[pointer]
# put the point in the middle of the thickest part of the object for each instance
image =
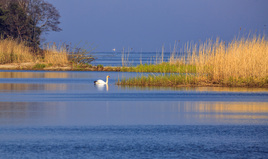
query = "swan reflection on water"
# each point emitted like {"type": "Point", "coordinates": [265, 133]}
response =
{"type": "Point", "coordinates": [101, 87]}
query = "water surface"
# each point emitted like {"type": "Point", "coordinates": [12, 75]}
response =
{"type": "Point", "coordinates": [131, 58]}
{"type": "Point", "coordinates": [51, 114]}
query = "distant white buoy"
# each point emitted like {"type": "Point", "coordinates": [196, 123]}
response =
{"type": "Point", "coordinates": [114, 49]}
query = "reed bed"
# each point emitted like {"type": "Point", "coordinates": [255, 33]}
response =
{"type": "Point", "coordinates": [242, 62]}
{"type": "Point", "coordinates": [12, 51]}
{"type": "Point", "coordinates": [55, 55]}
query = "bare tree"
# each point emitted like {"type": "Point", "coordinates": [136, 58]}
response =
{"type": "Point", "coordinates": [45, 17]}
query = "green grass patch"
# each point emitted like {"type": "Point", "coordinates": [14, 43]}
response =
{"type": "Point", "coordinates": [161, 68]}
{"type": "Point", "coordinates": [100, 67]}
{"type": "Point", "coordinates": [39, 66]}
{"type": "Point", "coordinates": [82, 66]}
{"type": "Point", "coordinates": [165, 80]}
{"type": "Point", "coordinates": [176, 80]}
{"type": "Point", "coordinates": [49, 65]}
{"type": "Point", "coordinates": [246, 82]}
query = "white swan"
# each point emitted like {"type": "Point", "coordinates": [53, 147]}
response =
{"type": "Point", "coordinates": [101, 81]}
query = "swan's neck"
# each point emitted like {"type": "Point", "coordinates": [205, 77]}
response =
{"type": "Point", "coordinates": [106, 80]}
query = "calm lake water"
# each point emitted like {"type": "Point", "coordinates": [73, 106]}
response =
{"type": "Point", "coordinates": [131, 58]}
{"type": "Point", "coordinates": [64, 115]}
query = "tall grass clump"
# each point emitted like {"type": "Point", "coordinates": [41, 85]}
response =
{"type": "Point", "coordinates": [12, 51]}
{"type": "Point", "coordinates": [242, 62]}
{"type": "Point", "coordinates": [55, 55]}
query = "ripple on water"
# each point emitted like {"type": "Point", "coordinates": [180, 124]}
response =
{"type": "Point", "coordinates": [135, 142]}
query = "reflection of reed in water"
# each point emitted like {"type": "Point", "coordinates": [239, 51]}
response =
{"type": "Point", "coordinates": [236, 107]}
{"type": "Point", "coordinates": [22, 87]}
{"type": "Point", "coordinates": [34, 75]}
{"type": "Point", "coordinates": [19, 87]}
{"type": "Point", "coordinates": [199, 89]}
{"type": "Point", "coordinates": [225, 110]}
{"type": "Point", "coordinates": [53, 87]}
{"type": "Point", "coordinates": [230, 89]}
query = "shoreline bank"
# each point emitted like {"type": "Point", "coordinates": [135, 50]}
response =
{"type": "Point", "coordinates": [43, 67]}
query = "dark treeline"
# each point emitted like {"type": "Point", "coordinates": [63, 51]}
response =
{"type": "Point", "coordinates": [27, 20]}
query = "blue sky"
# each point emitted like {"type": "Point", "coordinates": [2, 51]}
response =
{"type": "Point", "coordinates": [146, 25]}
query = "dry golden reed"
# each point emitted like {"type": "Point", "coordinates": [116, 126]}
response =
{"type": "Point", "coordinates": [13, 52]}
{"type": "Point", "coordinates": [243, 60]}
{"type": "Point", "coordinates": [55, 55]}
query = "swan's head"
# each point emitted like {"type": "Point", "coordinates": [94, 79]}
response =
{"type": "Point", "coordinates": [108, 77]}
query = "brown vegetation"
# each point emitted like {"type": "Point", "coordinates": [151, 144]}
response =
{"type": "Point", "coordinates": [242, 62]}
{"type": "Point", "coordinates": [13, 52]}
{"type": "Point", "coordinates": [55, 56]}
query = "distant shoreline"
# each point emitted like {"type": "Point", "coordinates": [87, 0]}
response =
{"type": "Point", "coordinates": [32, 67]}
